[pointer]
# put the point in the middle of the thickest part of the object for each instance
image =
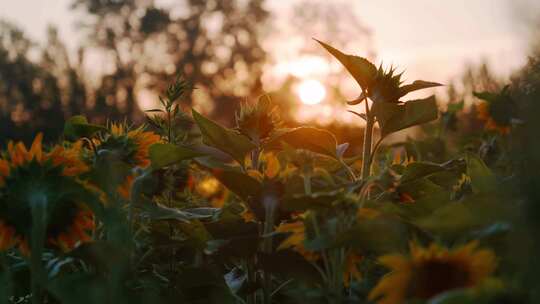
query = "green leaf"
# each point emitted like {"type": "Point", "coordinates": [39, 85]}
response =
{"type": "Point", "coordinates": [291, 265]}
{"type": "Point", "coordinates": [455, 107]}
{"type": "Point", "coordinates": [477, 211]}
{"type": "Point", "coordinates": [78, 126]}
{"type": "Point", "coordinates": [393, 117]}
{"type": "Point", "coordinates": [233, 238]}
{"type": "Point", "coordinates": [366, 236]}
{"type": "Point", "coordinates": [155, 111]}
{"type": "Point", "coordinates": [203, 285]}
{"type": "Point", "coordinates": [494, 230]}
{"type": "Point", "coordinates": [108, 173]}
{"type": "Point", "coordinates": [194, 233]}
{"type": "Point", "coordinates": [417, 85]}
{"type": "Point", "coordinates": [237, 182]}
{"type": "Point", "coordinates": [235, 279]}
{"type": "Point", "coordinates": [156, 211]}
{"type": "Point", "coordinates": [163, 155]}
{"type": "Point", "coordinates": [84, 288]}
{"type": "Point", "coordinates": [482, 179]}
{"type": "Point", "coordinates": [418, 170]}
{"type": "Point", "coordinates": [313, 139]}
{"type": "Point", "coordinates": [361, 115]}
{"type": "Point", "coordinates": [316, 201]}
{"type": "Point", "coordinates": [360, 68]}
{"type": "Point", "coordinates": [458, 296]}
{"type": "Point", "coordinates": [487, 96]}
{"type": "Point", "coordinates": [448, 221]}
{"type": "Point", "coordinates": [102, 255]}
{"type": "Point", "coordinates": [226, 140]}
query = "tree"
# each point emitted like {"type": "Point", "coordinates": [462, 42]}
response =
{"type": "Point", "coordinates": [29, 93]}
{"type": "Point", "coordinates": [214, 44]}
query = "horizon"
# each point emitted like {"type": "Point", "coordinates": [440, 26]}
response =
{"type": "Point", "coordinates": [415, 45]}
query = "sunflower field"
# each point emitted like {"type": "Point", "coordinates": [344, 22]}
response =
{"type": "Point", "coordinates": [185, 210]}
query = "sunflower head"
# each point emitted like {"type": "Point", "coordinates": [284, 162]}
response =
{"type": "Point", "coordinates": [53, 176]}
{"type": "Point", "coordinates": [386, 86]}
{"type": "Point", "coordinates": [296, 236]}
{"type": "Point", "coordinates": [128, 145]}
{"type": "Point", "coordinates": [496, 110]}
{"type": "Point", "coordinates": [211, 189]}
{"type": "Point", "coordinates": [427, 272]}
{"type": "Point", "coordinates": [258, 121]}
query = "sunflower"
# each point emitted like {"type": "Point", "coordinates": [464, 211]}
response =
{"type": "Point", "coordinates": [53, 176]}
{"type": "Point", "coordinates": [258, 121]}
{"type": "Point", "coordinates": [431, 271]}
{"type": "Point", "coordinates": [496, 110]}
{"type": "Point", "coordinates": [131, 146]}
{"type": "Point", "coordinates": [296, 239]}
{"type": "Point", "coordinates": [490, 123]}
{"type": "Point", "coordinates": [351, 268]}
{"type": "Point", "coordinates": [211, 189]}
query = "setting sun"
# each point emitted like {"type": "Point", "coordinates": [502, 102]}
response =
{"type": "Point", "coordinates": [311, 92]}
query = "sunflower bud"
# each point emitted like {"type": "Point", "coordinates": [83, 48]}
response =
{"type": "Point", "coordinates": [258, 121]}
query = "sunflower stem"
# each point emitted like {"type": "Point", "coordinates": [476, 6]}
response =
{"type": "Point", "coordinates": [270, 204]}
{"type": "Point", "coordinates": [324, 253]}
{"type": "Point", "coordinates": [307, 184]}
{"type": "Point", "coordinates": [5, 278]}
{"type": "Point", "coordinates": [251, 278]}
{"type": "Point", "coordinates": [368, 139]}
{"type": "Point", "coordinates": [38, 203]}
{"type": "Point", "coordinates": [349, 170]}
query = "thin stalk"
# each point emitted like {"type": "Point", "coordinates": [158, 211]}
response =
{"type": "Point", "coordinates": [322, 272]}
{"type": "Point", "coordinates": [350, 172]}
{"type": "Point", "coordinates": [368, 139]}
{"type": "Point", "coordinates": [375, 148]}
{"type": "Point", "coordinates": [39, 224]}
{"type": "Point", "coordinates": [256, 155]}
{"type": "Point", "coordinates": [6, 279]}
{"type": "Point", "coordinates": [169, 126]}
{"type": "Point", "coordinates": [255, 158]}
{"type": "Point", "coordinates": [252, 297]}
{"type": "Point", "coordinates": [323, 253]}
{"type": "Point", "coordinates": [307, 184]}
{"type": "Point", "coordinates": [270, 204]}
{"type": "Point", "coordinates": [170, 191]}
{"type": "Point", "coordinates": [281, 286]}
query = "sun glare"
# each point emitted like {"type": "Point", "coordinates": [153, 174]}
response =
{"type": "Point", "coordinates": [311, 92]}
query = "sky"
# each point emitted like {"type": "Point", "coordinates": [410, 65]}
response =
{"type": "Point", "coordinates": [431, 39]}
{"type": "Point", "coordinates": [427, 36]}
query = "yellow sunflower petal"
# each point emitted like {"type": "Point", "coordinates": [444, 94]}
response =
{"type": "Point", "coordinates": [4, 167]}
{"type": "Point", "coordinates": [272, 166]}
{"type": "Point", "coordinates": [391, 289]}
{"type": "Point", "coordinates": [395, 262]}
{"type": "Point", "coordinates": [36, 151]}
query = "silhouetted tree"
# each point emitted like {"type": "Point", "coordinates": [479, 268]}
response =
{"type": "Point", "coordinates": [29, 92]}
{"type": "Point", "coordinates": [214, 44]}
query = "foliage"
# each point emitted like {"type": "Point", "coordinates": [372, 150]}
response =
{"type": "Point", "coordinates": [262, 213]}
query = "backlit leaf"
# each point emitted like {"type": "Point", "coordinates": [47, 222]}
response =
{"type": "Point", "coordinates": [417, 85]}
{"type": "Point", "coordinates": [78, 126]}
{"type": "Point", "coordinates": [393, 117]}
{"type": "Point", "coordinates": [313, 139]}
{"type": "Point", "coordinates": [163, 155]}
{"type": "Point", "coordinates": [360, 68]}
{"type": "Point", "coordinates": [226, 140]}
{"type": "Point", "coordinates": [482, 179]}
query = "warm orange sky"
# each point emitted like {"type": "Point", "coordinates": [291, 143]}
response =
{"type": "Point", "coordinates": [428, 37]}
